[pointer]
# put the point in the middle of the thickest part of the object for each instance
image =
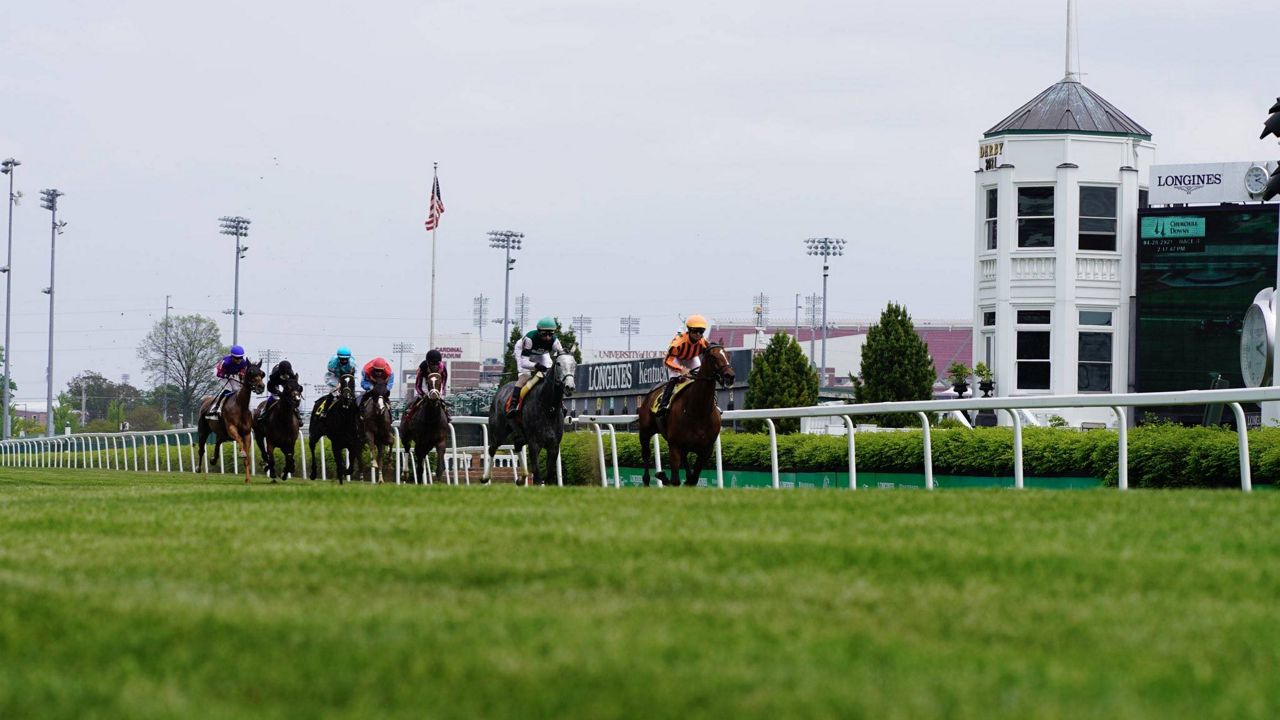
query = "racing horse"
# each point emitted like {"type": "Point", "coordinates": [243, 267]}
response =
{"type": "Point", "coordinates": [375, 420]}
{"type": "Point", "coordinates": [692, 421]}
{"type": "Point", "coordinates": [541, 419]}
{"type": "Point", "coordinates": [278, 426]}
{"type": "Point", "coordinates": [234, 422]}
{"type": "Point", "coordinates": [341, 424]}
{"type": "Point", "coordinates": [429, 425]}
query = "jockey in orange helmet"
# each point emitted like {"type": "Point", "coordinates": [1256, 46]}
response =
{"type": "Point", "coordinates": [683, 356]}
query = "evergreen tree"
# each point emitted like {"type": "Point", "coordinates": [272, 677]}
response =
{"type": "Point", "coordinates": [509, 372]}
{"type": "Point", "coordinates": [895, 366]}
{"type": "Point", "coordinates": [781, 377]}
{"type": "Point", "coordinates": [569, 341]}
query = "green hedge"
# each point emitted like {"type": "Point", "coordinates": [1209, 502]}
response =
{"type": "Point", "coordinates": [1159, 455]}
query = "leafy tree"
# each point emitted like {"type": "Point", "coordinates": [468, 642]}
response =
{"type": "Point", "coordinates": [145, 417]}
{"type": "Point", "coordinates": [895, 366]}
{"type": "Point", "coordinates": [509, 372]}
{"type": "Point", "coordinates": [65, 412]}
{"type": "Point", "coordinates": [781, 377]}
{"type": "Point", "coordinates": [569, 341]}
{"type": "Point", "coordinates": [183, 351]}
{"type": "Point", "coordinates": [98, 393]}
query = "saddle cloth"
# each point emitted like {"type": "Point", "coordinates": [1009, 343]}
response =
{"type": "Point", "coordinates": [681, 384]}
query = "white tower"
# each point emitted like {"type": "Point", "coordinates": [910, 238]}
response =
{"type": "Point", "coordinates": [1056, 201]}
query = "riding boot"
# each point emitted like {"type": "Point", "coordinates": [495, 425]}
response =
{"type": "Point", "coordinates": [666, 397]}
{"type": "Point", "coordinates": [513, 406]}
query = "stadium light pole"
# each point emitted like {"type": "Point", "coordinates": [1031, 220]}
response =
{"type": "Point", "coordinates": [7, 167]}
{"type": "Point", "coordinates": [629, 325]}
{"type": "Point", "coordinates": [812, 301]}
{"type": "Point", "coordinates": [824, 247]}
{"type": "Point", "coordinates": [237, 227]}
{"type": "Point", "coordinates": [506, 240]}
{"type": "Point", "coordinates": [522, 310]}
{"type": "Point", "coordinates": [49, 201]}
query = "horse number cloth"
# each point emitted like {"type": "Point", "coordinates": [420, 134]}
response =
{"type": "Point", "coordinates": [680, 385]}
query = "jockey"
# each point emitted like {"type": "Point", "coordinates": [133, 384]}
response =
{"type": "Point", "coordinates": [340, 364]}
{"type": "Point", "coordinates": [377, 370]}
{"type": "Point", "coordinates": [533, 358]}
{"type": "Point", "coordinates": [282, 379]}
{"type": "Point", "coordinates": [434, 363]}
{"type": "Point", "coordinates": [683, 357]}
{"type": "Point", "coordinates": [230, 369]}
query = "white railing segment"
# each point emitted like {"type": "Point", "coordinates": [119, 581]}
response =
{"type": "Point", "coordinates": [1014, 406]}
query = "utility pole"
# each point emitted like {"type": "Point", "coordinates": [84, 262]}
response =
{"type": "Point", "coordinates": [522, 310]}
{"type": "Point", "coordinates": [761, 308]}
{"type": "Point", "coordinates": [237, 227]}
{"type": "Point", "coordinates": [402, 348]}
{"type": "Point", "coordinates": [581, 328]}
{"type": "Point", "coordinates": [49, 201]}
{"type": "Point", "coordinates": [629, 325]}
{"type": "Point", "coordinates": [165, 384]}
{"type": "Point", "coordinates": [6, 167]}
{"type": "Point", "coordinates": [480, 313]}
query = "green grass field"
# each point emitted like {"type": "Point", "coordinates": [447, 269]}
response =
{"type": "Point", "coordinates": [136, 595]}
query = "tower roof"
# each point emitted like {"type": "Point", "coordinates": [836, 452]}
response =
{"type": "Point", "coordinates": [1069, 106]}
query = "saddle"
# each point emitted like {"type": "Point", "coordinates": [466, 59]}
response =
{"type": "Point", "coordinates": [681, 384]}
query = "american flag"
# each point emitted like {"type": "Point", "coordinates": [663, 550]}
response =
{"type": "Point", "coordinates": [437, 206]}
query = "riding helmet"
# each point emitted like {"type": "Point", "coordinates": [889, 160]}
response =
{"type": "Point", "coordinates": [547, 323]}
{"type": "Point", "coordinates": [344, 352]}
{"type": "Point", "coordinates": [696, 322]}
{"type": "Point", "coordinates": [433, 356]}
{"type": "Point", "coordinates": [237, 351]}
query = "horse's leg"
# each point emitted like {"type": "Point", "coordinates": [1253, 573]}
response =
{"type": "Point", "coordinates": [535, 453]}
{"type": "Point", "coordinates": [441, 448]}
{"type": "Point", "coordinates": [312, 439]}
{"type": "Point", "coordinates": [677, 461]}
{"type": "Point", "coordinates": [200, 463]}
{"type": "Point", "coordinates": [268, 456]}
{"type": "Point", "coordinates": [495, 441]}
{"type": "Point", "coordinates": [695, 467]}
{"type": "Point", "coordinates": [287, 451]}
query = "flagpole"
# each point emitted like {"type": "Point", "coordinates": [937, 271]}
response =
{"type": "Point", "coordinates": [431, 331]}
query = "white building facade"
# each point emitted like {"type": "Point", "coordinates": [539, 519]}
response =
{"type": "Point", "coordinates": [1056, 200]}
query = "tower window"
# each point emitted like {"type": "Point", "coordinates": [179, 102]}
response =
{"type": "Point", "coordinates": [1035, 217]}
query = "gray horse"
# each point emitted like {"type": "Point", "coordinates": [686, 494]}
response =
{"type": "Point", "coordinates": [541, 419]}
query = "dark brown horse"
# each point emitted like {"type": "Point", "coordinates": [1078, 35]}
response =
{"type": "Point", "coordinates": [692, 421]}
{"type": "Point", "coordinates": [428, 426]}
{"type": "Point", "coordinates": [278, 426]}
{"type": "Point", "coordinates": [341, 424]}
{"type": "Point", "coordinates": [234, 422]}
{"type": "Point", "coordinates": [375, 421]}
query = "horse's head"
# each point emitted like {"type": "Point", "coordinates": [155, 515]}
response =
{"type": "Point", "coordinates": [254, 377]}
{"type": "Point", "coordinates": [434, 384]}
{"type": "Point", "coordinates": [292, 395]}
{"type": "Point", "coordinates": [564, 368]}
{"type": "Point", "coordinates": [347, 389]}
{"type": "Point", "coordinates": [715, 364]}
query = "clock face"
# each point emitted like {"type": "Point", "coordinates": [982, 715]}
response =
{"type": "Point", "coordinates": [1255, 179]}
{"type": "Point", "coordinates": [1255, 347]}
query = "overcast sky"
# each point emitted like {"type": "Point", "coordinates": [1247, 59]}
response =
{"type": "Point", "coordinates": [662, 158]}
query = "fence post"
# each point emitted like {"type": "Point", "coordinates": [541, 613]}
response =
{"type": "Point", "coordinates": [1246, 478]}
{"type": "Point", "coordinates": [1016, 417]}
{"type": "Point", "coordinates": [719, 464]}
{"type": "Point", "coordinates": [453, 440]}
{"type": "Point", "coordinates": [1122, 465]}
{"type": "Point", "coordinates": [604, 470]}
{"type": "Point", "coordinates": [853, 466]}
{"type": "Point", "coordinates": [657, 451]}
{"type": "Point", "coordinates": [928, 451]}
{"type": "Point", "coordinates": [613, 448]}
{"type": "Point", "coordinates": [773, 452]}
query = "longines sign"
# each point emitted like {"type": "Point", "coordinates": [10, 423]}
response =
{"type": "Point", "coordinates": [1207, 183]}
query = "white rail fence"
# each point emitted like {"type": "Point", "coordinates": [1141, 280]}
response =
{"type": "Point", "coordinates": [170, 450]}
{"type": "Point", "coordinates": [142, 451]}
{"type": "Point", "coordinates": [1014, 407]}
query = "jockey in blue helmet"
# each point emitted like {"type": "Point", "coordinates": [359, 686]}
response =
{"type": "Point", "coordinates": [342, 363]}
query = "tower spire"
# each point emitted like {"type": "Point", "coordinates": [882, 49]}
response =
{"type": "Point", "coordinates": [1072, 72]}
